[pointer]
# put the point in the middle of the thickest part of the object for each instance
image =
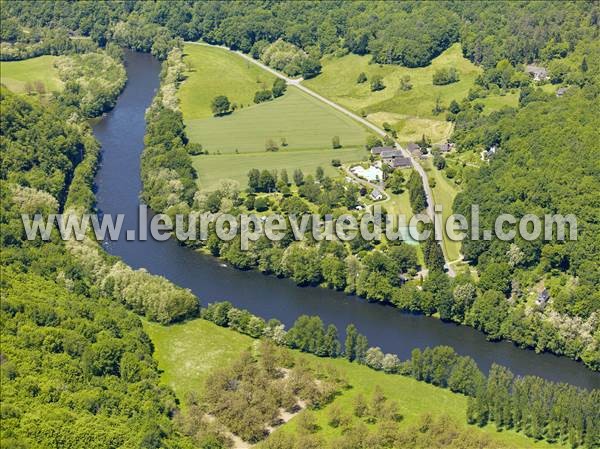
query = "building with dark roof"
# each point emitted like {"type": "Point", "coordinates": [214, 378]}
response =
{"type": "Point", "coordinates": [400, 162]}
{"type": "Point", "coordinates": [376, 151]}
{"type": "Point", "coordinates": [412, 147]}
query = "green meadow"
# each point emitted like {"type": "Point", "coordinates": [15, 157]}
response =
{"type": "Point", "coordinates": [16, 74]}
{"type": "Point", "coordinates": [444, 192]}
{"type": "Point", "coordinates": [301, 126]}
{"type": "Point", "coordinates": [303, 121]}
{"type": "Point", "coordinates": [215, 71]}
{"type": "Point", "coordinates": [214, 168]}
{"type": "Point", "coordinates": [409, 111]}
{"type": "Point", "coordinates": [187, 352]}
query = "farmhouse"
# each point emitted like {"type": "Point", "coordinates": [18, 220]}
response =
{"type": "Point", "coordinates": [376, 151]}
{"type": "Point", "coordinates": [386, 155]}
{"type": "Point", "coordinates": [446, 147]}
{"type": "Point", "coordinates": [371, 174]}
{"type": "Point", "coordinates": [400, 162]}
{"type": "Point", "coordinates": [413, 147]}
{"type": "Point", "coordinates": [415, 150]}
{"type": "Point", "coordinates": [538, 73]}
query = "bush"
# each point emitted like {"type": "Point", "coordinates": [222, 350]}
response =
{"type": "Point", "coordinates": [220, 105]}
{"type": "Point", "coordinates": [335, 142]}
{"type": "Point", "coordinates": [377, 83]}
{"type": "Point", "coordinates": [279, 87]}
{"type": "Point", "coordinates": [263, 95]}
{"type": "Point", "coordinates": [439, 162]}
{"type": "Point", "coordinates": [442, 77]}
{"type": "Point", "coordinates": [271, 145]}
{"type": "Point", "coordinates": [261, 204]}
{"type": "Point", "coordinates": [194, 149]}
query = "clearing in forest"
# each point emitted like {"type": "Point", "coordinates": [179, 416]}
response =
{"type": "Point", "coordinates": [20, 76]}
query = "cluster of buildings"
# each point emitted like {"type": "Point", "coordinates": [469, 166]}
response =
{"type": "Point", "coordinates": [391, 156]}
{"type": "Point", "coordinates": [395, 158]}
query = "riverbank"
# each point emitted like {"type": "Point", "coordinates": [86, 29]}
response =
{"type": "Point", "coordinates": [188, 352]}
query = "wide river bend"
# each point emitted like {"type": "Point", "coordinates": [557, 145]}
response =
{"type": "Point", "coordinates": [121, 133]}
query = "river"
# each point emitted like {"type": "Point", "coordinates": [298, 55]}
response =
{"type": "Point", "coordinates": [121, 134]}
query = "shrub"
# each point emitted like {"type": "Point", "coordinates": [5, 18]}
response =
{"type": "Point", "coordinates": [263, 95]}
{"type": "Point", "coordinates": [377, 83]}
{"type": "Point", "coordinates": [444, 76]}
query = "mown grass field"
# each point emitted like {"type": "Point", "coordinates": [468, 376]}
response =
{"type": "Point", "coordinates": [236, 142]}
{"type": "Point", "coordinates": [214, 71]}
{"type": "Point", "coordinates": [16, 74]}
{"type": "Point", "coordinates": [410, 112]}
{"type": "Point", "coordinates": [303, 121]}
{"type": "Point", "coordinates": [496, 102]}
{"type": "Point", "coordinates": [212, 169]}
{"type": "Point", "coordinates": [187, 352]}
{"type": "Point", "coordinates": [444, 193]}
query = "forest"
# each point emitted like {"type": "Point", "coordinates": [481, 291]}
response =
{"type": "Point", "coordinates": [76, 364]}
{"type": "Point", "coordinates": [409, 33]}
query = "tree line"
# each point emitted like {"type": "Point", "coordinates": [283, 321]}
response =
{"type": "Point", "coordinates": [407, 33]}
{"type": "Point", "coordinates": [541, 409]}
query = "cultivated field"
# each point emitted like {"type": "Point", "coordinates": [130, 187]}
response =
{"type": "Point", "coordinates": [409, 111]}
{"type": "Point", "coordinates": [187, 352]}
{"type": "Point", "coordinates": [300, 125]}
{"type": "Point", "coordinates": [304, 122]}
{"type": "Point", "coordinates": [17, 74]}
{"type": "Point", "coordinates": [214, 168]}
{"type": "Point", "coordinates": [214, 71]}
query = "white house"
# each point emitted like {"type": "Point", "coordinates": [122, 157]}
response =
{"type": "Point", "coordinates": [376, 195]}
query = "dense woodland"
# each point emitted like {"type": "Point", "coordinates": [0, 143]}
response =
{"type": "Point", "coordinates": [409, 33]}
{"type": "Point", "coordinates": [76, 364]}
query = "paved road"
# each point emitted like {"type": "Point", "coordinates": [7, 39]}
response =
{"type": "Point", "coordinates": [297, 82]}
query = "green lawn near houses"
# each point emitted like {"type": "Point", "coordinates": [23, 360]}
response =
{"type": "Point", "coordinates": [444, 192]}
{"type": "Point", "coordinates": [18, 75]}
